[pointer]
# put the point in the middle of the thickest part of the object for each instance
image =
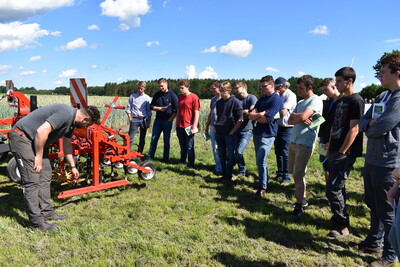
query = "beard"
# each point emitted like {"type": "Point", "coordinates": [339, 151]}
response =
{"type": "Point", "coordinates": [79, 125]}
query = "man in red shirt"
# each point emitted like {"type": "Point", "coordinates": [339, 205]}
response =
{"type": "Point", "coordinates": [187, 122]}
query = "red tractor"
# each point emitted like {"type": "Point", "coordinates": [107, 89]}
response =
{"type": "Point", "coordinates": [96, 149]}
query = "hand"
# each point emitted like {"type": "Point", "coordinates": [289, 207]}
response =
{"type": "Point", "coordinates": [75, 173]}
{"type": "Point", "coordinates": [371, 122]}
{"type": "Point", "coordinates": [194, 130]}
{"type": "Point", "coordinates": [307, 121]}
{"type": "Point", "coordinates": [327, 146]}
{"type": "Point", "coordinates": [163, 109]}
{"type": "Point", "coordinates": [38, 164]}
{"type": "Point", "coordinates": [393, 193]}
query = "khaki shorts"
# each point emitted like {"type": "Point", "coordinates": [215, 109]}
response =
{"type": "Point", "coordinates": [299, 155]}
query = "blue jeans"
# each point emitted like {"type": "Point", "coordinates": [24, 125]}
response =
{"type": "Point", "coordinates": [133, 128]}
{"type": "Point", "coordinates": [218, 167]}
{"type": "Point", "coordinates": [377, 181]}
{"type": "Point", "coordinates": [186, 143]}
{"type": "Point", "coordinates": [242, 140]}
{"type": "Point", "coordinates": [262, 146]}
{"type": "Point", "coordinates": [282, 141]}
{"type": "Point", "coordinates": [160, 126]}
{"type": "Point", "coordinates": [226, 149]}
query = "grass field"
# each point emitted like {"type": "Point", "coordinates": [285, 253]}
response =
{"type": "Point", "coordinates": [183, 218]}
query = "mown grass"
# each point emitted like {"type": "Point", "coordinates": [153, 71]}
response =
{"type": "Point", "coordinates": [183, 218]}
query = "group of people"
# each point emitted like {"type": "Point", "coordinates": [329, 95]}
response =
{"type": "Point", "coordinates": [275, 118]}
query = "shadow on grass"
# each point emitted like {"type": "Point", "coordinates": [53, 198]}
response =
{"type": "Point", "coordinates": [228, 259]}
{"type": "Point", "coordinates": [11, 202]}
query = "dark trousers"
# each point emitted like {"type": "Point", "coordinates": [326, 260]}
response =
{"type": "Point", "coordinates": [133, 128]}
{"type": "Point", "coordinates": [35, 186]}
{"type": "Point", "coordinates": [165, 127]}
{"type": "Point", "coordinates": [281, 143]}
{"type": "Point", "coordinates": [377, 181]}
{"type": "Point", "coordinates": [226, 150]}
{"type": "Point", "coordinates": [339, 169]}
{"type": "Point", "coordinates": [186, 142]}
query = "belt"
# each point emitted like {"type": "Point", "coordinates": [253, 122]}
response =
{"type": "Point", "coordinates": [19, 131]}
{"type": "Point", "coordinates": [139, 118]}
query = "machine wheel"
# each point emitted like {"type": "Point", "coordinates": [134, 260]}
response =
{"type": "Point", "coordinates": [3, 155]}
{"type": "Point", "coordinates": [150, 166]}
{"type": "Point", "coordinates": [132, 170]}
{"type": "Point", "coordinates": [13, 172]}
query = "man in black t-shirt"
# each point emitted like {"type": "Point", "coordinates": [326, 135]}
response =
{"type": "Point", "coordinates": [29, 141]}
{"type": "Point", "coordinates": [345, 145]}
{"type": "Point", "coordinates": [229, 119]}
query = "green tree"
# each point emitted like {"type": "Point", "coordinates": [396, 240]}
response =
{"type": "Point", "coordinates": [377, 66]}
{"type": "Point", "coordinates": [61, 90]}
{"type": "Point", "coordinates": [371, 91]}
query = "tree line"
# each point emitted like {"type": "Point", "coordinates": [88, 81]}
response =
{"type": "Point", "coordinates": [201, 87]}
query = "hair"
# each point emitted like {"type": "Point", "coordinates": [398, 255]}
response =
{"type": "Point", "coordinates": [183, 82]}
{"type": "Point", "coordinates": [307, 80]}
{"type": "Point", "coordinates": [93, 112]}
{"type": "Point", "coordinates": [242, 84]}
{"type": "Point", "coordinates": [162, 80]}
{"type": "Point", "coordinates": [346, 73]}
{"type": "Point", "coordinates": [226, 86]}
{"type": "Point", "coordinates": [392, 61]}
{"type": "Point", "coordinates": [216, 84]}
{"type": "Point", "coordinates": [141, 83]}
{"type": "Point", "coordinates": [268, 79]}
{"type": "Point", "coordinates": [327, 81]}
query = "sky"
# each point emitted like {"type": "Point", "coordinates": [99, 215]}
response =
{"type": "Point", "coordinates": [44, 43]}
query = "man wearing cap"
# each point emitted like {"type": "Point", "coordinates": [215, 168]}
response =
{"type": "Point", "coordinates": [282, 139]}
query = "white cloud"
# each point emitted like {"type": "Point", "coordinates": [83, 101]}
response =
{"type": "Point", "coordinates": [152, 43]}
{"type": "Point", "coordinates": [191, 72]}
{"type": "Point", "coordinates": [15, 35]}
{"type": "Point", "coordinates": [93, 27]}
{"type": "Point", "coordinates": [5, 68]}
{"type": "Point", "coordinates": [58, 82]}
{"type": "Point", "coordinates": [94, 66]}
{"type": "Point", "coordinates": [271, 69]}
{"type": "Point", "coordinates": [163, 53]}
{"type": "Point", "coordinates": [165, 3]}
{"type": "Point", "coordinates": [77, 43]}
{"type": "Point", "coordinates": [237, 48]}
{"type": "Point", "coordinates": [123, 27]}
{"type": "Point", "coordinates": [35, 58]}
{"type": "Point", "coordinates": [44, 71]}
{"type": "Point", "coordinates": [321, 29]}
{"type": "Point", "coordinates": [27, 73]}
{"type": "Point", "coordinates": [11, 10]}
{"type": "Point", "coordinates": [362, 85]}
{"type": "Point", "coordinates": [56, 33]}
{"type": "Point", "coordinates": [392, 41]}
{"type": "Point", "coordinates": [128, 11]}
{"type": "Point", "coordinates": [68, 73]}
{"type": "Point", "coordinates": [212, 49]}
{"type": "Point", "coordinates": [208, 73]}
{"type": "Point", "coordinates": [301, 73]}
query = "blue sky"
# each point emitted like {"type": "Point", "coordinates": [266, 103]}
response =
{"type": "Point", "coordinates": [43, 43]}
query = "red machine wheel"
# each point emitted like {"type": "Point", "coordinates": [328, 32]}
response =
{"type": "Point", "coordinates": [150, 166]}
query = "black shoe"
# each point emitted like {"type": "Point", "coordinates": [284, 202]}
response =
{"type": "Point", "coordinates": [45, 227]}
{"type": "Point", "coordinates": [304, 204]}
{"type": "Point", "coordinates": [322, 199]}
{"type": "Point", "coordinates": [55, 216]}
{"type": "Point", "coordinates": [363, 247]}
{"type": "Point", "coordinates": [340, 231]}
{"type": "Point", "coordinates": [278, 178]}
{"type": "Point", "coordinates": [218, 173]}
{"type": "Point", "coordinates": [298, 210]}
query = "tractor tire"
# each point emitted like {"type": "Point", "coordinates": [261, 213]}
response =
{"type": "Point", "coordinates": [13, 172]}
{"type": "Point", "coordinates": [150, 166]}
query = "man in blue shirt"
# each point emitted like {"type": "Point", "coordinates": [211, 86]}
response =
{"type": "Point", "coordinates": [264, 112]}
{"type": "Point", "coordinates": [165, 103]}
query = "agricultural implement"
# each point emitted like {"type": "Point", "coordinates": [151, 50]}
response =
{"type": "Point", "coordinates": [95, 149]}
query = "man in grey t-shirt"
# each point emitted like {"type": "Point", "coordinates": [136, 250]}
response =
{"type": "Point", "coordinates": [29, 141]}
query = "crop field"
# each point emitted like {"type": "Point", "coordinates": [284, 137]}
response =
{"type": "Point", "coordinates": [182, 217]}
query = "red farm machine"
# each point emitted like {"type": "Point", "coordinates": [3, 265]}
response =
{"type": "Point", "coordinates": [96, 149]}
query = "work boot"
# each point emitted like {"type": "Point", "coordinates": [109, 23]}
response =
{"type": "Point", "coordinates": [298, 210]}
{"type": "Point", "coordinates": [339, 232]}
{"type": "Point", "coordinates": [55, 216]}
{"type": "Point", "coordinates": [259, 193]}
{"type": "Point", "coordinates": [381, 263]}
{"type": "Point", "coordinates": [45, 227]}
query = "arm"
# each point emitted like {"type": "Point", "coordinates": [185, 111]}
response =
{"type": "Point", "coordinates": [387, 121]}
{"type": "Point", "coordinates": [350, 136]}
{"type": "Point", "coordinates": [296, 118]}
{"type": "Point", "coordinates": [236, 127]}
{"type": "Point", "coordinates": [128, 109]}
{"type": "Point", "coordinates": [195, 121]}
{"type": "Point", "coordinates": [208, 123]}
{"type": "Point", "coordinates": [42, 134]}
{"type": "Point", "coordinates": [67, 146]}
